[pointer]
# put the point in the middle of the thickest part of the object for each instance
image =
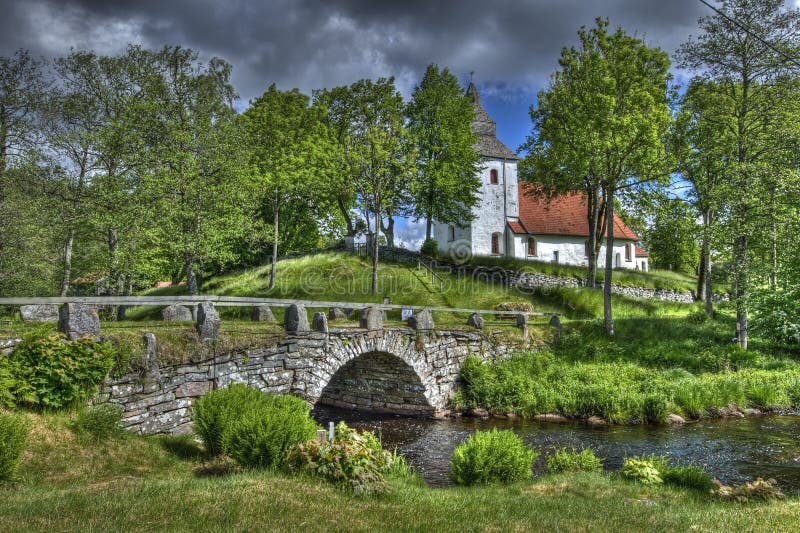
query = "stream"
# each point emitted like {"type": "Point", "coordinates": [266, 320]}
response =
{"type": "Point", "coordinates": [733, 450]}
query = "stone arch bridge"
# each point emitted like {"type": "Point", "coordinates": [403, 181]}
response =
{"type": "Point", "coordinates": [396, 370]}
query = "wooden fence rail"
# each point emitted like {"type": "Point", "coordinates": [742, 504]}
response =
{"type": "Point", "coordinates": [238, 301]}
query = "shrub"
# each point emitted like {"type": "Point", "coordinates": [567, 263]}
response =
{"type": "Point", "coordinates": [13, 440]}
{"type": "Point", "coordinates": [572, 461]}
{"type": "Point", "coordinates": [262, 436]}
{"type": "Point", "coordinates": [214, 413]}
{"type": "Point", "coordinates": [99, 422]}
{"type": "Point", "coordinates": [353, 461]}
{"type": "Point", "coordinates": [776, 314]}
{"type": "Point", "coordinates": [492, 456]}
{"type": "Point", "coordinates": [655, 408]}
{"type": "Point", "coordinates": [762, 394]}
{"type": "Point", "coordinates": [53, 373]}
{"type": "Point", "coordinates": [690, 477]}
{"type": "Point", "coordinates": [7, 383]}
{"type": "Point", "coordinates": [429, 247]}
{"type": "Point", "coordinates": [641, 470]}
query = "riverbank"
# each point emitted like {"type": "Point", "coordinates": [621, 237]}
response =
{"type": "Point", "coordinates": [136, 483]}
{"type": "Point", "coordinates": [653, 368]}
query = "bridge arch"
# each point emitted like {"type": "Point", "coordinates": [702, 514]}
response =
{"type": "Point", "coordinates": [388, 371]}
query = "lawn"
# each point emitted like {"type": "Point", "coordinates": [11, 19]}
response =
{"type": "Point", "coordinates": [68, 483]}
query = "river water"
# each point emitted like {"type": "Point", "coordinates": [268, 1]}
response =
{"type": "Point", "coordinates": [733, 450]}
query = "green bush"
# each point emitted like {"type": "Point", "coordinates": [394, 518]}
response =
{"type": "Point", "coordinates": [262, 436]}
{"type": "Point", "coordinates": [655, 408]}
{"type": "Point", "coordinates": [492, 456]}
{"type": "Point", "coordinates": [7, 383]}
{"type": "Point", "coordinates": [572, 461]}
{"type": "Point", "coordinates": [354, 461]}
{"type": "Point", "coordinates": [13, 440]}
{"type": "Point", "coordinates": [214, 413]}
{"type": "Point", "coordinates": [99, 422]}
{"type": "Point", "coordinates": [641, 470]}
{"type": "Point", "coordinates": [429, 247]}
{"type": "Point", "coordinates": [690, 477]}
{"type": "Point", "coordinates": [52, 373]}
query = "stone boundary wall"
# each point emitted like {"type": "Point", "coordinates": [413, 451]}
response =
{"type": "Point", "coordinates": [527, 281]}
{"type": "Point", "coordinates": [159, 400]}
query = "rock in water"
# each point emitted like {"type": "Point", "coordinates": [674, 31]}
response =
{"type": "Point", "coordinates": [176, 313]}
{"type": "Point", "coordinates": [262, 313]}
{"type": "Point", "coordinates": [207, 322]}
{"type": "Point", "coordinates": [296, 319]}
{"type": "Point", "coordinates": [77, 320]}
{"type": "Point", "coordinates": [39, 313]}
{"type": "Point", "coordinates": [320, 323]}
{"type": "Point", "coordinates": [475, 320]}
{"type": "Point", "coordinates": [371, 319]}
{"type": "Point", "coordinates": [421, 321]}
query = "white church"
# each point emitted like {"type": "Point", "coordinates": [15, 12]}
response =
{"type": "Point", "coordinates": [510, 223]}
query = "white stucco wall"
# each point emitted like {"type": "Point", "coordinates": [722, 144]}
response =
{"type": "Point", "coordinates": [490, 215]}
{"type": "Point", "coordinates": [571, 250]}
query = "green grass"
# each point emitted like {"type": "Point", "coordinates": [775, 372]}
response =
{"type": "Point", "coordinates": [653, 366]}
{"type": "Point", "coordinates": [136, 483]}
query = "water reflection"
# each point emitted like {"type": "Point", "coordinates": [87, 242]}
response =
{"type": "Point", "coordinates": [733, 450]}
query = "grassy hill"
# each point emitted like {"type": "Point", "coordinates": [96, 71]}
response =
{"type": "Point", "coordinates": [347, 278]}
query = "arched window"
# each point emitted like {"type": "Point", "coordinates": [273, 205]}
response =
{"type": "Point", "coordinates": [628, 250]}
{"type": "Point", "coordinates": [586, 248]}
{"type": "Point", "coordinates": [451, 233]}
{"type": "Point", "coordinates": [495, 244]}
{"type": "Point", "coordinates": [532, 247]}
{"type": "Point", "coordinates": [493, 176]}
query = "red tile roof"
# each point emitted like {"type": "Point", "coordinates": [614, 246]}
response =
{"type": "Point", "coordinates": [517, 227]}
{"type": "Point", "coordinates": [562, 215]}
{"type": "Point", "coordinates": [641, 252]}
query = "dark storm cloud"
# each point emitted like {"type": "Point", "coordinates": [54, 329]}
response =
{"type": "Point", "coordinates": [512, 46]}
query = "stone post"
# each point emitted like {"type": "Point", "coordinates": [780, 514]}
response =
{"type": "Point", "coordinates": [207, 322]}
{"type": "Point", "coordinates": [421, 321]}
{"type": "Point", "coordinates": [296, 319]}
{"type": "Point", "coordinates": [77, 320]}
{"type": "Point", "coordinates": [371, 318]}
{"type": "Point", "coordinates": [320, 323]}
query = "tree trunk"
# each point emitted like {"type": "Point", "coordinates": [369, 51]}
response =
{"type": "Point", "coordinates": [275, 218]}
{"type": "Point", "coordinates": [428, 225]}
{"type": "Point", "coordinates": [67, 262]}
{"type": "Point", "coordinates": [700, 290]}
{"type": "Point", "coordinates": [348, 220]}
{"type": "Point", "coordinates": [375, 251]}
{"type": "Point", "coordinates": [114, 286]}
{"type": "Point", "coordinates": [708, 294]}
{"type": "Point", "coordinates": [191, 275]}
{"type": "Point", "coordinates": [592, 215]}
{"type": "Point", "coordinates": [773, 244]}
{"type": "Point", "coordinates": [388, 231]}
{"type": "Point", "coordinates": [608, 319]}
{"type": "Point", "coordinates": [741, 292]}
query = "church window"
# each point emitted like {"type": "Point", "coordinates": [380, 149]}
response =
{"type": "Point", "coordinates": [586, 248]}
{"type": "Point", "coordinates": [496, 243]}
{"type": "Point", "coordinates": [493, 176]}
{"type": "Point", "coordinates": [628, 254]}
{"type": "Point", "coordinates": [451, 233]}
{"type": "Point", "coordinates": [532, 246]}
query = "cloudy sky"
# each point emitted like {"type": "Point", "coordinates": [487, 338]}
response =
{"type": "Point", "coordinates": [511, 46]}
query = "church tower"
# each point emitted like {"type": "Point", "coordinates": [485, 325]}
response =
{"type": "Point", "coordinates": [498, 198]}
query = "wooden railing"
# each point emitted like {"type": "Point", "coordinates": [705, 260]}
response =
{"type": "Point", "coordinates": [238, 301]}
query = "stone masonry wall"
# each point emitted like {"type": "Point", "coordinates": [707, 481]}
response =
{"type": "Point", "coordinates": [532, 280]}
{"type": "Point", "coordinates": [160, 400]}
